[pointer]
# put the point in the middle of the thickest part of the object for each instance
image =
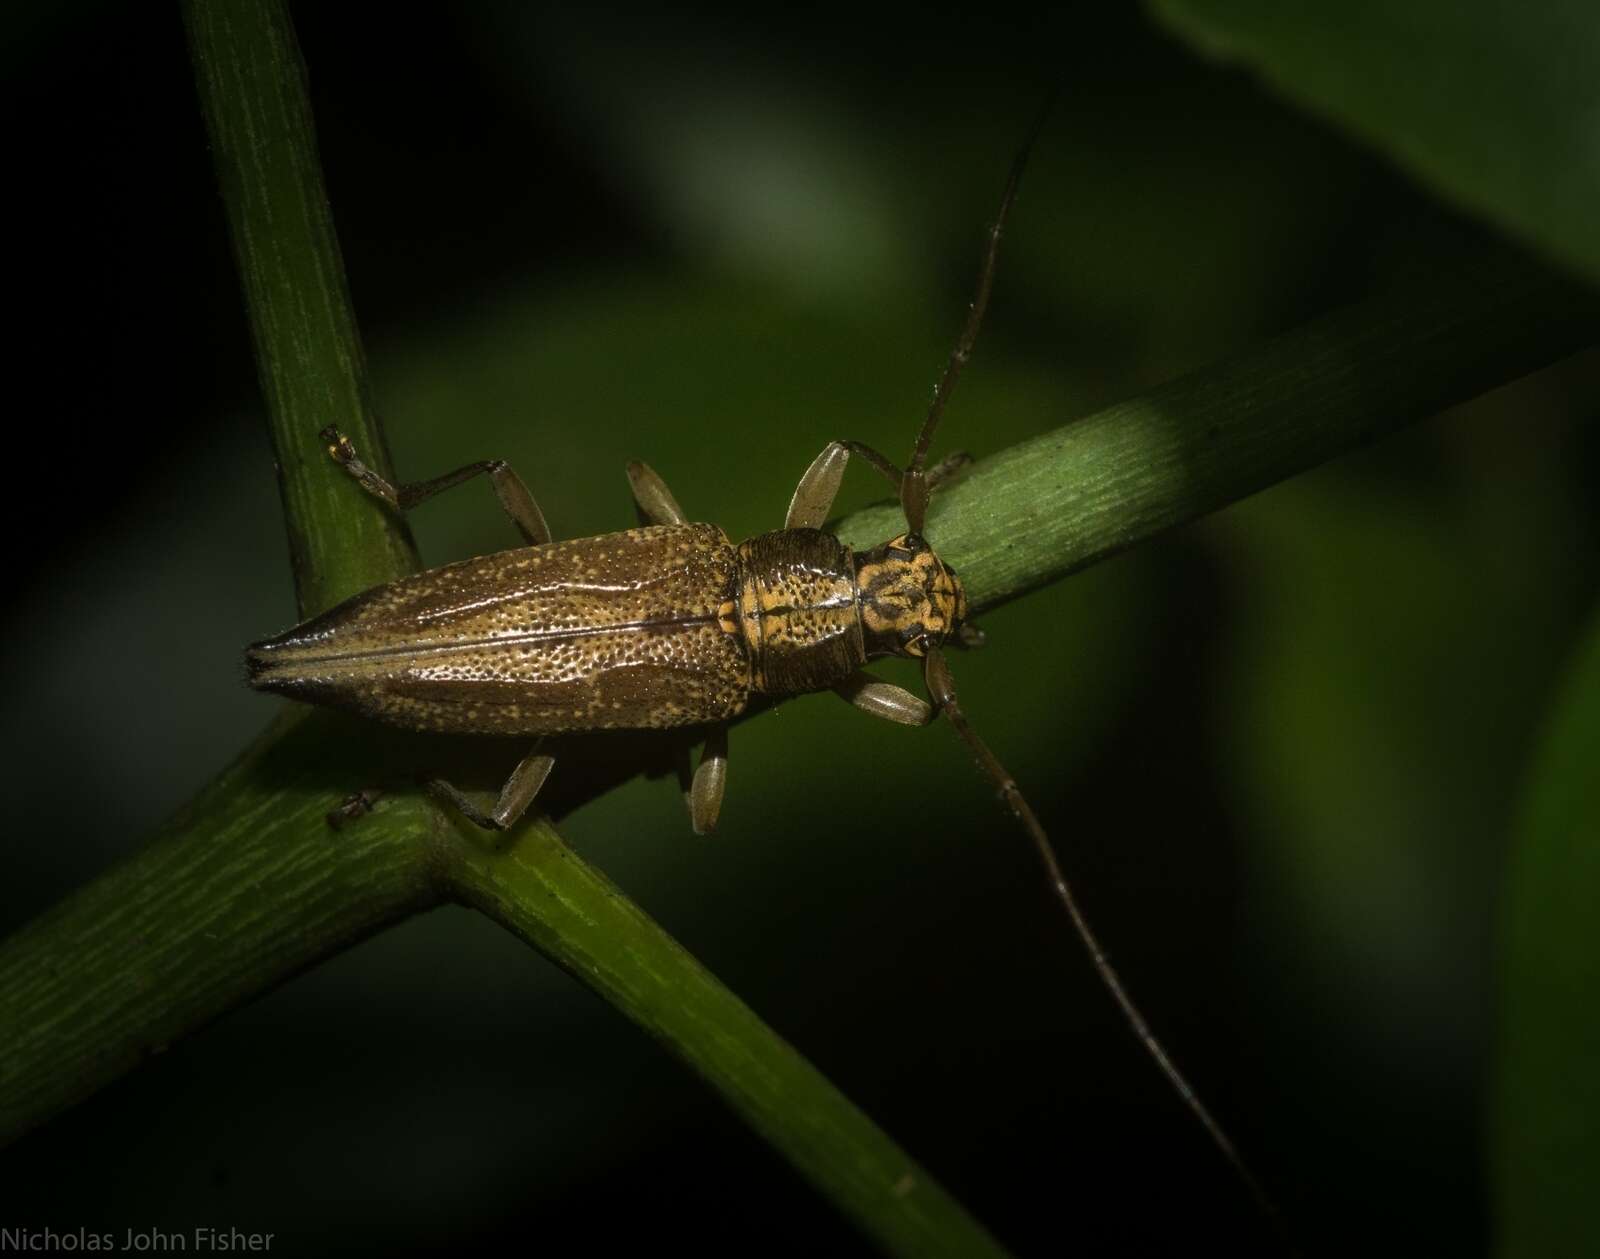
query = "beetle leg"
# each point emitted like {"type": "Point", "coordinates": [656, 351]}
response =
{"type": "Point", "coordinates": [705, 793]}
{"type": "Point", "coordinates": [655, 502]}
{"type": "Point", "coordinates": [508, 486]}
{"type": "Point", "coordinates": [813, 497]}
{"type": "Point", "coordinates": [515, 796]}
{"type": "Point", "coordinates": [884, 699]}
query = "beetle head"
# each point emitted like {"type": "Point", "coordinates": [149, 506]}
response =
{"type": "Point", "coordinates": [910, 599]}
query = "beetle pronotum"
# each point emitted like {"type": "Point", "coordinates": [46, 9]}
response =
{"type": "Point", "coordinates": [667, 625]}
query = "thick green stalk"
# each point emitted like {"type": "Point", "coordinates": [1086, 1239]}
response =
{"type": "Point", "coordinates": [1060, 502]}
{"type": "Point", "coordinates": [539, 889]}
{"type": "Point", "coordinates": [244, 888]}
{"type": "Point", "coordinates": [252, 87]}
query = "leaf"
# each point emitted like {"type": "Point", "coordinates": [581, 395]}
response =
{"type": "Point", "coordinates": [1493, 105]}
{"type": "Point", "coordinates": [1547, 1091]}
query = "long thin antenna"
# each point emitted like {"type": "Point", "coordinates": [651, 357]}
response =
{"type": "Point", "coordinates": [941, 689]}
{"type": "Point", "coordinates": [913, 484]}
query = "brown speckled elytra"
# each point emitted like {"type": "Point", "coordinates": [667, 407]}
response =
{"type": "Point", "coordinates": [667, 625]}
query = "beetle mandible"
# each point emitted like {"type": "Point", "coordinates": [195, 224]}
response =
{"type": "Point", "coordinates": [671, 624]}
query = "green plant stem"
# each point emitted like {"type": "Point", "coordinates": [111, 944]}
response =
{"type": "Point", "coordinates": [1051, 506]}
{"type": "Point", "coordinates": [308, 351]}
{"type": "Point", "coordinates": [539, 889]}
{"type": "Point", "coordinates": [243, 889]}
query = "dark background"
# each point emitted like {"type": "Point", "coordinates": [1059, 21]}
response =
{"type": "Point", "coordinates": [1279, 750]}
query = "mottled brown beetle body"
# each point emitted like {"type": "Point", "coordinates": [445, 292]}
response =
{"type": "Point", "coordinates": [668, 625]}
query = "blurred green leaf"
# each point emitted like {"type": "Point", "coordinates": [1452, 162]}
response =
{"type": "Point", "coordinates": [1492, 104]}
{"type": "Point", "coordinates": [1395, 641]}
{"type": "Point", "coordinates": [1547, 1144]}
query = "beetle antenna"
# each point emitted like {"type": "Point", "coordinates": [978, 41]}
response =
{"type": "Point", "coordinates": [941, 689]}
{"type": "Point", "coordinates": [914, 482]}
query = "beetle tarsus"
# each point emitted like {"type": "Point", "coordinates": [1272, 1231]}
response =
{"type": "Point", "coordinates": [516, 795]}
{"type": "Point", "coordinates": [455, 799]}
{"type": "Point", "coordinates": [353, 807]}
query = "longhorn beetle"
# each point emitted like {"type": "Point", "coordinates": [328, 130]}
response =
{"type": "Point", "coordinates": [671, 624]}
